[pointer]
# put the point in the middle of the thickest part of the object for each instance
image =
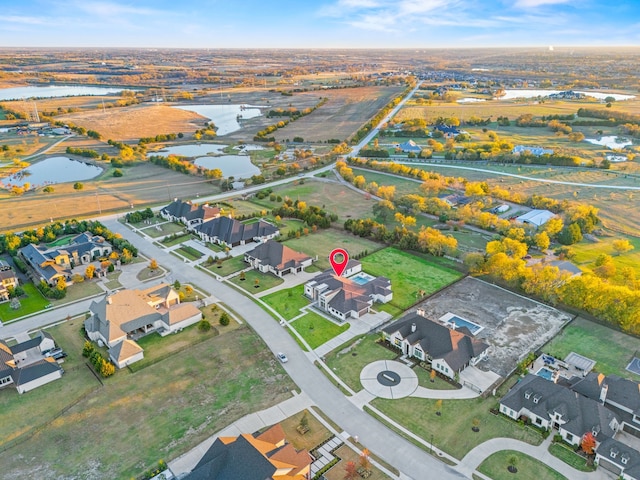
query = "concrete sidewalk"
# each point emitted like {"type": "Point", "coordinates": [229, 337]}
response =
{"type": "Point", "coordinates": [247, 424]}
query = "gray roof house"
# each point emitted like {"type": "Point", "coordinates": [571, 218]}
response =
{"type": "Point", "coordinates": [343, 297]}
{"type": "Point", "coordinates": [410, 147]}
{"type": "Point", "coordinates": [49, 264]}
{"type": "Point", "coordinates": [618, 458]}
{"type": "Point", "coordinates": [188, 213]}
{"type": "Point", "coordinates": [550, 405]}
{"type": "Point", "coordinates": [274, 257]}
{"type": "Point", "coordinates": [25, 367]}
{"type": "Point", "coordinates": [449, 351]}
{"type": "Point", "coordinates": [231, 232]}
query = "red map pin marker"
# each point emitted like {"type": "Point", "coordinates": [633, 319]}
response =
{"type": "Point", "coordinates": [339, 266]}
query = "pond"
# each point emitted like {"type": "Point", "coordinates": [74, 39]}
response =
{"type": "Point", "coordinates": [533, 93]}
{"type": "Point", "coordinates": [52, 170]}
{"type": "Point", "coordinates": [238, 166]}
{"type": "Point", "coordinates": [191, 150]}
{"type": "Point", "coordinates": [470, 100]}
{"type": "Point", "coordinates": [225, 117]}
{"type": "Point", "coordinates": [50, 91]}
{"type": "Point", "coordinates": [610, 141]}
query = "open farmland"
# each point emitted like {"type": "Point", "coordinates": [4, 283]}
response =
{"type": "Point", "coordinates": [132, 123]}
{"type": "Point", "coordinates": [142, 185]}
{"type": "Point", "coordinates": [345, 112]}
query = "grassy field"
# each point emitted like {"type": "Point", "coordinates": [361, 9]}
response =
{"type": "Point", "coordinates": [570, 457]}
{"type": "Point", "coordinates": [348, 360]}
{"type": "Point", "coordinates": [189, 252]}
{"type": "Point", "coordinates": [345, 112]}
{"type": "Point", "coordinates": [408, 274]}
{"type": "Point", "coordinates": [228, 266]}
{"type": "Point", "coordinates": [167, 228]}
{"type": "Point", "coordinates": [79, 291]}
{"type": "Point", "coordinates": [31, 302]}
{"type": "Point", "coordinates": [317, 330]}
{"type": "Point", "coordinates": [611, 349]}
{"type": "Point", "coordinates": [347, 455]}
{"type": "Point", "coordinates": [451, 430]}
{"type": "Point", "coordinates": [403, 186]}
{"type": "Point", "coordinates": [265, 281]}
{"type": "Point", "coordinates": [136, 121]}
{"type": "Point", "coordinates": [323, 242]}
{"type": "Point", "coordinates": [587, 251]}
{"type": "Point", "coordinates": [176, 239]}
{"type": "Point", "coordinates": [287, 302]}
{"type": "Point", "coordinates": [142, 185]}
{"type": "Point", "coordinates": [164, 410]}
{"type": "Point", "coordinates": [495, 466]}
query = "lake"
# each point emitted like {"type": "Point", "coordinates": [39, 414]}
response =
{"type": "Point", "coordinates": [610, 141]}
{"type": "Point", "coordinates": [238, 166]}
{"type": "Point", "coordinates": [50, 91]}
{"type": "Point", "coordinates": [52, 170]}
{"type": "Point", "coordinates": [470, 100]}
{"type": "Point", "coordinates": [531, 93]}
{"type": "Point", "coordinates": [225, 117]}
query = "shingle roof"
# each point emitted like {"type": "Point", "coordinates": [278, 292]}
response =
{"type": "Point", "coordinates": [632, 467]}
{"type": "Point", "coordinates": [190, 211]}
{"type": "Point", "coordinates": [456, 347]}
{"type": "Point", "coordinates": [231, 231]}
{"type": "Point", "coordinates": [278, 256]}
{"type": "Point", "coordinates": [34, 371]}
{"type": "Point", "coordinates": [124, 350]}
{"type": "Point", "coordinates": [24, 346]}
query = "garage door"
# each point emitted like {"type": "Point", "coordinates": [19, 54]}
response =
{"type": "Point", "coordinates": [607, 465]}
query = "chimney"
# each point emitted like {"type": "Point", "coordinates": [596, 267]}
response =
{"type": "Point", "coordinates": [413, 328]}
{"type": "Point", "coordinates": [109, 300]}
{"type": "Point", "coordinates": [421, 312]}
{"type": "Point", "coordinates": [603, 392]}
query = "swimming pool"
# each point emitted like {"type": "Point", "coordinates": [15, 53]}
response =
{"type": "Point", "coordinates": [362, 278]}
{"type": "Point", "coordinates": [546, 374]}
{"type": "Point", "coordinates": [454, 321]}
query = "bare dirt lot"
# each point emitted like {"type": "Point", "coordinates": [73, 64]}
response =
{"type": "Point", "coordinates": [513, 325]}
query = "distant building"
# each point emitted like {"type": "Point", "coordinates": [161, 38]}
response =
{"type": "Point", "coordinates": [8, 279]}
{"type": "Point", "coordinates": [188, 213]}
{"type": "Point", "coordinates": [537, 218]}
{"type": "Point", "coordinates": [518, 149]}
{"type": "Point", "coordinates": [455, 200]}
{"type": "Point", "coordinates": [230, 232]}
{"type": "Point", "coordinates": [410, 147]}
{"type": "Point", "coordinates": [447, 130]}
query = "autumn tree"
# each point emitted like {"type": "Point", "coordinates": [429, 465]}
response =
{"type": "Point", "coordinates": [365, 461]}
{"type": "Point", "coordinates": [553, 227]}
{"type": "Point", "coordinates": [350, 471]}
{"type": "Point", "coordinates": [153, 264]}
{"type": "Point", "coordinates": [90, 271]}
{"type": "Point", "coordinates": [387, 192]}
{"type": "Point", "coordinates": [542, 241]}
{"type": "Point", "coordinates": [622, 246]}
{"type": "Point", "coordinates": [588, 444]}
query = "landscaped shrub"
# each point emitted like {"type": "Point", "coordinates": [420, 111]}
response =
{"type": "Point", "coordinates": [224, 319]}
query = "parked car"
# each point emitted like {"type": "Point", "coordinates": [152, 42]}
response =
{"type": "Point", "coordinates": [51, 353]}
{"type": "Point", "coordinates": [59, 355]}
{"type": "Point", "coordinates": [282, 357]}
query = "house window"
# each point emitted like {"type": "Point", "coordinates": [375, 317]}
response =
{"type": "Point", "coordinates": [614, 453]}
{"type": "Point", "coordinates": [538, 421]}
{"type": "Point", "coordinates": [5, 380]}
{"type": "Point", "coordinates": [569, 437]}
{"type": "Point", "coordinates": [624, 460]}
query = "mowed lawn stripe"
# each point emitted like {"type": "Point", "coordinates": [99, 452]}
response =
{"type": "Point", "coordinates": [408, 273]}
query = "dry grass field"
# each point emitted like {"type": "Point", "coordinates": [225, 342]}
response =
{"type": "Point", "coordinates": [142, 185]}
{"type": "Point", "coordinates": [345, 112]}
{"type": "Point", "coordinates": [132, 123]}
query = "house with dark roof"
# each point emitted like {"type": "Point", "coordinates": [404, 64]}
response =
{"type": "Point", "coordinates": [230, 232]}
{"type": "Point", "coordinates": [448, 350]}
{"type": "Point", "coordinates": [274, 257]}
{"type": "Point", "coordinates": [49, 264]}
{"type": "Point", "coordinates": [538, 151]}
{"type": "Point", "coordinates": [351, 297]}
{"type": "Point", "coordinates": [410, 147]}
{"type": "Point", "coordinates": [619, 458]}
{"type": "Point", "coordinates": [264, 456]}
{"type": "Point", "coordinates": [117, 320]}
{"type": "Point", "coordinates": [190, 214]}
{"type": "Point", "coordinates": [537, 218]}
{"type": "Point", "coordinates": [24, 365]}
{"type": "Point", "coordinates": [447, 130]}
{"type": "Point", "coordinates": [551, 406]}
{"type": "Point", "coordinates": [455, 200]}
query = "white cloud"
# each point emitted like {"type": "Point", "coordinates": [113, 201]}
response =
{"type": "Point", "coordinates": [24, 20]}
{"type": "Point", "coordinates": [538, 3]}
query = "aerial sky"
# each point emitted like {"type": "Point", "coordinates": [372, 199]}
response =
{"type": "Point", "coordinates": [319, 23]}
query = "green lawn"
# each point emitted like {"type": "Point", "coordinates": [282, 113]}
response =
{"type": "Point", "coordinates": [348, 360]}
{"type": "Point", "coordinates": [587, 252]}
{"type": "Point", "coordinates": [568, 456]}
{"type": "Point", "coordinates": [147, 274]}
{"type": "Point", "coordinates": [408, 273]}
{"type": "Point", "coordinates": [323, 242]}
{"type": "Point", "coordinates": [452, 429]}
{"type": "Point", "coordinates": [171, 241]}
{"type": "Point", "coordinates": [79, 291]}
{"type": "Point", "coordinates": [287, 302]}
{"type": "Point", "coordinates": [495, 466]}
{"type": "Point", "coordinates": [189, 253]}
{"type": "Point", "coordinates": [228, 266]}
{"type": "Point", "coordinates": [62, 241]}
{"type": "Point", "coordinates": [163, 410]}
{"type": "Point", "coordinates": [265, 281]}
{"type": "Point", "coordinates": [404, 186]}
{"type": "Point", "coordinates": [167, 228]}
{"type": "Point", "coordinates": [317, 330]}
{"type": "Point", "coordinates": [611, 349]}
{"type": "Point", "coordinates": [32, 301]}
